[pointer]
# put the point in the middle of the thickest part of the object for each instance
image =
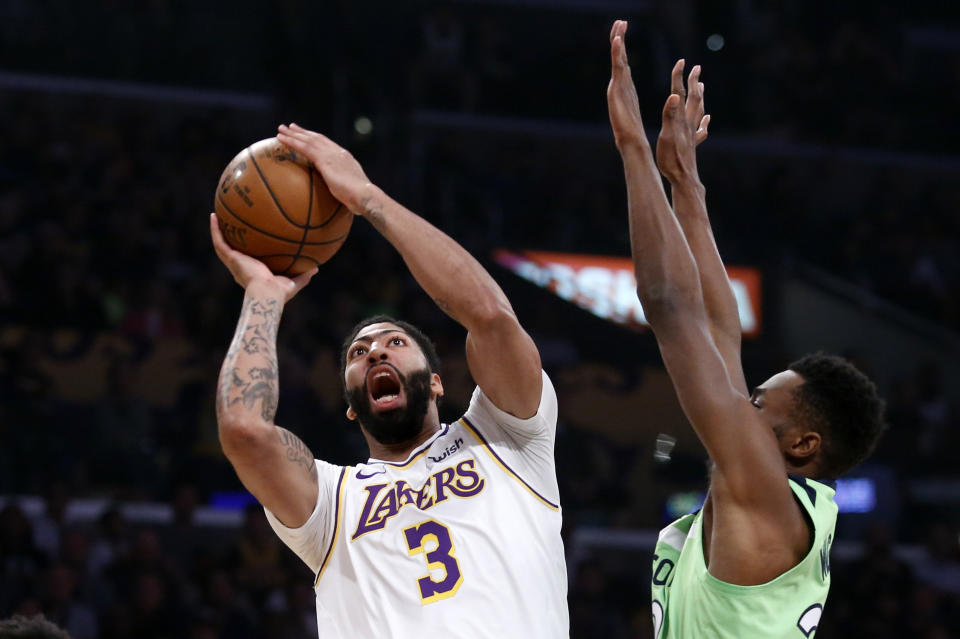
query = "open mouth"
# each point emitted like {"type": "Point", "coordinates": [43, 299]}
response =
{"type": "Point", "coordinates": [384, 387]}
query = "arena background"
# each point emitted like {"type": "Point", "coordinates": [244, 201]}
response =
{"type": "Point", "coordinates": [831, 169]}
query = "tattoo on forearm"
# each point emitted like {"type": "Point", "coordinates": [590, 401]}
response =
{"type": "Point", "coordinates": [260, 391]}
{"type": "Point", "coordinates": [297, 452]}
{"type": "Point", "coordinates": [250, 372]}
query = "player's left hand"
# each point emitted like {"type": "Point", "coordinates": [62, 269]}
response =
{"type": "Point", "coordinates": [622, 102]}
{"type": "Point", "coordinates": [340, 170]}
{"type": "Point", "coordinates": [246, 269]}
{"type": "Point", "coordinates": [684, 125]}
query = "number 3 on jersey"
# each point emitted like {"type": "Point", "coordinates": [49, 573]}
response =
{"type": "Point", "coordinates": [438, 558]}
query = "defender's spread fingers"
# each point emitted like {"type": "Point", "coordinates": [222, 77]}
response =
{"type": "Point", "coordinates": [702, 132]}
{"type": "Point", "coordinates": [671, 107]}
{"type": "Point", "coordinates": [676, 78]}
{"type": "Point", "coordinates": [693, 78]}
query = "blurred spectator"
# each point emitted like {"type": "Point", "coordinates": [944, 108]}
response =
{"type": "Point", "coordinates": [940, 565]}
{"type": "Point", "coordinates": [47, 527]}
{"type": "Point", "coordinates": [34, 627]}
{"type": "Point", "coordinates": [257, 557]}
{"type": "Point", "coordinates": [110, 542]}
{"type": "Point", "coordinates": [438, 77]}
{"type": "Point", "coordinates": [155, 613]}
{"type": "Point", "coordinates": [182, 539]}
{"type": "Point", "coordinates": [128, 455]}
{"type": "Point", "coordinates": [935, 413]}
{"type": "Point", "coordinates": [62, 606]}
{"type": "Point", "coordinates": [20, 562]}
{"type": "Point", "coordinates": [228, 609]}
{"type": "Point", "coordinates": [145, 572]}
{"type": "Point", "coordinates": [592, 610]}
{"type": "Point", "coordinates": [874, 591]}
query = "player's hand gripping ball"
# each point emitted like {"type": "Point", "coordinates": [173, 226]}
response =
{"type": "Point", "coordinates": [272, 205]}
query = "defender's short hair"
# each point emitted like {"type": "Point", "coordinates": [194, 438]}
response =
{"type": "Point", "coordinates": [842, 404]}
{"type": "Point", "coordinates": [424, 342]}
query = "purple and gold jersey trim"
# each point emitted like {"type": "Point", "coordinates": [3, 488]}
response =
{"type": "Point", "coordinates": [470, 427]}
{"type": "Point", "coordinates": [337, 516]}
{"type": "Point", "coordinates": [415, 455]}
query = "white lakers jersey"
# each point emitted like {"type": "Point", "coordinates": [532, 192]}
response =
{"type": "Point", "coordinates": [460, 540]}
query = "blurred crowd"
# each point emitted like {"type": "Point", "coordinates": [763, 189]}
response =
{"type": "Point", "coordinates": [115, 314]}
{"type": "Point", "coordinates": [113, 579]}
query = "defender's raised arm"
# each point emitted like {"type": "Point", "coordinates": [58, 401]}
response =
{"type": "Point", "coordinates": [684, 128]}
{"type": "Point", "coordinates": [750, 475]}
{"type": "Point", "coordinates": [665, 270]}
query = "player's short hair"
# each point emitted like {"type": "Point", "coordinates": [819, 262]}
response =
{"type": "Point", "coordinates": [842, 404]}
{"type": "Point", "coordinates": [36, 627]}
{"type": "Point", "coordinates": [424, 342]}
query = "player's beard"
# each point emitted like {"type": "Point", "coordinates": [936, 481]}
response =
{"type": "Point", "coordinates": [400, 424]}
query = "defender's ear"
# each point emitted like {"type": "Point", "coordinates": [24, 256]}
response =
{"type": "Point", "coordinates": [806, 445]}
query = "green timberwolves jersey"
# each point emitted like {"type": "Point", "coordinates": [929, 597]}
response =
{"type": "Point", "coordinates": [690, 603]}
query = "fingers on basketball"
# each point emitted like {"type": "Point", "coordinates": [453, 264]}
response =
{"type": "Point", "coordinates": [272, 205]}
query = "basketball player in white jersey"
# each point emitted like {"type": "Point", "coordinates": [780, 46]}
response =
{"type": "Point", "coordinates": [447, 530]}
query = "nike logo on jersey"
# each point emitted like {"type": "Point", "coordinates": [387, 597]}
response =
{"type": "Point", "coordinates": [385, 500]}
{"type": "Point", "coordinates": [376, 471]}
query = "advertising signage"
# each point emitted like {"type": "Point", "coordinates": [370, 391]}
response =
{"type": "Point", "coordinates": [605, 285]}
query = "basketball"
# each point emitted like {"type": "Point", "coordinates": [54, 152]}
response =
{"type": "Point", "coordinates": [272, 205]}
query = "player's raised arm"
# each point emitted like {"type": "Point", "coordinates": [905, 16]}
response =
{"type": "Point", "coordinates": [503, 359]}
{"type": "Point", "coordinates": [684, 128]}
{"type": "Point", "coordinates": [273, 463]}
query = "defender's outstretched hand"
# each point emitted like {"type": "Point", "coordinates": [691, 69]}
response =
{"type": "Point", "coordinates": [622, 101]}
{"type": "Point", "coordinates": [246, 269]}
{"type": "Point", "coordinates": [342, 173]}
{"type": "Point", "coordinates": [684, 125]}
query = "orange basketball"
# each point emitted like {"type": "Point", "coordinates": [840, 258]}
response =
{"type": "Point", "coordinates": [272, 205]}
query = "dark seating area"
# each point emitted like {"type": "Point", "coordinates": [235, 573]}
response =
{"type": "Point", "coordinates": [833, 145]}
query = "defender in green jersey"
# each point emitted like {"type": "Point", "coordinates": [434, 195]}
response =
{"type": "Point", "coordinates": [755, 560]}
{"type": "Point", "coordinates": [690, 602]}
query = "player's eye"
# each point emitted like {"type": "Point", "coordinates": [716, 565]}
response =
{"type": "Point", "coordinates": [357, 350]}
{"type": "Point", "coordinates": [397, 341]}
{"type": "Point", "coordinates": [755, 402]}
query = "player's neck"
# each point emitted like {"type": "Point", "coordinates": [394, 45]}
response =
{"type": "Point", "coordinates": [808, 470]}
{"type": "Point", "coordinates": [400, 451]}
